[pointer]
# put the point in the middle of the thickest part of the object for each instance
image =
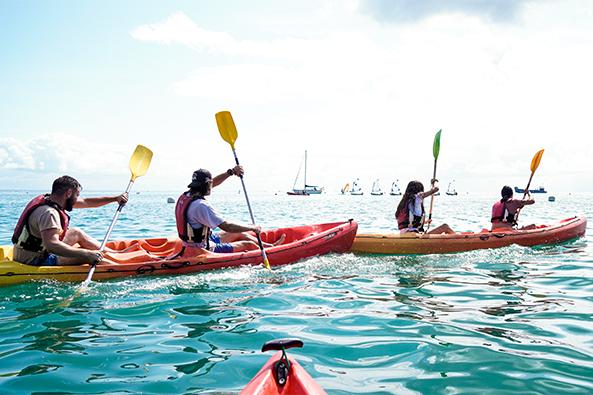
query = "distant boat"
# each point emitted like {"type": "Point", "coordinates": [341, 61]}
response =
{"type": "Point", "coordinates": [376, 190]}
{"type": "Point", "coordinates": [551, 199]}
{"type": "Point", "coordinates": [539, 190]}
{"type": "Point", "coordinates": [395, 191]}
{"type": "Point", "coordinates": [356, 189]}
{"type": "Point", "coordinates": [307, 189]}
{"type": "Point", "coordinates": [451, 190]}
{"type": "Point", "coordinates": [170, 200]}
{"type": "Point", "coordinates": [345, 188]}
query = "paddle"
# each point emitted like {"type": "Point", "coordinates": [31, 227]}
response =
{"type": "Point", "coordinates": [436, 147]}
{"type": "Point", "coordinates": [228, 132]}
{"type": "Point", "coordinates": [534, 165]}
{"type": "Point", "coordinates": [139, 163]}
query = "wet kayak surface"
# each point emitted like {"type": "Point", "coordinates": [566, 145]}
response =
{"type": "Point", "coordinates": [511, 319]}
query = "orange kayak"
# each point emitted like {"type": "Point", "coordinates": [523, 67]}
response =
{"type": "Point", "coordinates": [417, 243]}
{"type": "Point", "coordinates": [166, 256]}
{"type": "Point", "coordinates": [282, 374]}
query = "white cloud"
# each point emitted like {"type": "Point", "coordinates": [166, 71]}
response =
{"type": "Point", "coordinates": [179, 28]}
{"type": "Point", "coordinates": [60, 153]}
{"type": "Point", "coordinates": [370, 97]}
{"type": "Point", "coordinates": [413, 10]}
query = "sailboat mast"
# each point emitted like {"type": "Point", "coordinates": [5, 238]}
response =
{"type": "Point", "coordinates": [305, 170]}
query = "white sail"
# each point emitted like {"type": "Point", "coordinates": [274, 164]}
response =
{"type": "Point", "coordinates": [450, 189]}
{"type": "Point", "coordinates": [395, 191]}
{"type": "Point", "coordinates": [356, 189]}
{"type": "Point", "coordinates": [307, 189]}
{"type": "Point", "coordinates": [376, 188]}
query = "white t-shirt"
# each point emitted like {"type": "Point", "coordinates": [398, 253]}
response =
{"type": "Point", "coordinates": [201, 213]}
{"type": "Point", "coordinates": [416, 207]}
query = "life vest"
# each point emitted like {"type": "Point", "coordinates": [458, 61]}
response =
{"type": "Point", "coordinates": [403, 219]}
{"type": "Point", "coordinates": [185, 231]}
{"type": "Point", "coordinates": [500, 213]}
{"type": "Point", "coordinates": [33, 243]}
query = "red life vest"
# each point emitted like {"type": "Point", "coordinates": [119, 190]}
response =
{"type": "Point", "coordinates": [185, 231]}
{"type": "Point", "coordinates": [403, 219]}
{"type": "Point", "coordinates": [33, 243]}
{"type": "Point", "coordinates": [500, 213]}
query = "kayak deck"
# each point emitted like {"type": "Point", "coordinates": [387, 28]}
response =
{"type": "Point", "coordinates": [417, 243]}
{"type": "Point", "coordinates": [165, 256]}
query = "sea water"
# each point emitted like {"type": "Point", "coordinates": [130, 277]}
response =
{"type": "Point", "coordinates": [511, 320]}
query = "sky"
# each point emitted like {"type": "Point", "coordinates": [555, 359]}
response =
{"type": "Point", "coordinates": [362, 85]}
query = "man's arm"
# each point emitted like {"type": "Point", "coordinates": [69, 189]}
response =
{"type": "Point", "coordinates": [91, 202]}
{"type": "Point", "coordinates": [235, 171]}
{"type": "Point", "coordinates": [238, 228]}
{"type": "Point", "coordinates": [54, 245]}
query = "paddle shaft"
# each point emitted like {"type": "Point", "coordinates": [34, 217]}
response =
{"type": "Point", "coordinates": [434, 176]}
{"type": "Point", "coordinates": [261, 246]}
{"type": "Point", "coordinates": [524, 195]}
{"type": "Point", "coordinates": [526, 191]}
{"type": "Point", "coordinates": [104, 242]}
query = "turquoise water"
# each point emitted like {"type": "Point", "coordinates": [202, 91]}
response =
{"type": "Point", "coordinates": [493, 321]}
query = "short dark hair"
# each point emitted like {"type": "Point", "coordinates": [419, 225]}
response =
{"type": "Point", "coordinates": [62, 184]}
{"type": "Point", "coordinates": [506, 193]}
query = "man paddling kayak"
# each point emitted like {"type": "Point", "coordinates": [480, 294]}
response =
{"type": "Point", "coordinates": [196, 218]}
{"type": "Point", "coordinates": [42, 237]}
{"type": "Point", "coordinates": [504, 212]}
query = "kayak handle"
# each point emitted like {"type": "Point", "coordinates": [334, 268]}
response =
{"type": "Point", "coordinates": [281, 344]}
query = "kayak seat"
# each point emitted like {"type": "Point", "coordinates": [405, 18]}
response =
{"type": "Point", "coordinates": [281, 344]}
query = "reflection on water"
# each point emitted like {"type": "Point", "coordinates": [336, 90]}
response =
{"type": "Point", "coordinates": [510, 320]}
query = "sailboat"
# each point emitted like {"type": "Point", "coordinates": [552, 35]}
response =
{"type": "Point", "coordinates": [395, 191]}
{"type": "Point", "coordinates": [451, 190]}
{"type": "Point", "coordinates": [345, 188]}
{"type": "Point", "coordinates": [376, 191]}
{"type": "Point", "coordinates": [356, 189]}
{"type": "Point", "coordinates": [307, 189]}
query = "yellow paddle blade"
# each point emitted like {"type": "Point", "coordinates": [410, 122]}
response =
{"type": "Point", "coordinates": [226, 127]}
{"type": "Point", "coordinates": [140, 161]}
{"type": "Point", "coordinates": [536, 159]}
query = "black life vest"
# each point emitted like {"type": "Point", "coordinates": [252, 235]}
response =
{"type": "Point", "coordinates": [33, 243]}
{"type": "Point", "coordinates": [185, 231]}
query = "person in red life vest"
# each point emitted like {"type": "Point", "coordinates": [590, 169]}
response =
{"type": "Point", "coordinates": [505, 211]}
{"type": "Point", "coordinates": [410, 211]}
{"type": "Point", "coordinates": [196, 218]}
{"type": "Point", "coordinates": [42, 236]}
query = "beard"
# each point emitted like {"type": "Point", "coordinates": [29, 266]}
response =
{"type": "Point", "coordinates": [70, 204]}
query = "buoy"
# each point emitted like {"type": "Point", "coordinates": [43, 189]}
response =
{"type": "Point", "coordinates": [170, 200]}
{"type": "Point", "coordinates": [551, 199]}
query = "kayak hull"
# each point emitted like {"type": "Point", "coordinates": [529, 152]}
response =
{"type": "Point", "coordinates": [416, 243]}
{"type": "Point", "coordinates": [165, 256]}
{"type": "Point", "coordinates": [299, 382]}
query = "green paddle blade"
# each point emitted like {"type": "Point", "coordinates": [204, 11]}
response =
{"type": "Point", "coordinates": [536, 159]}
{"type": "Point", "coordinates": [436, 146]}
{"type": "Point", "coordinates": [140, 161]}
{"type": "Point", "coordinates": [226, 127]}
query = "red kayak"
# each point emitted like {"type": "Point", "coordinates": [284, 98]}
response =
{"type": "Point", "coordinates": [282, 374]}
{"type": "Point", "coordinates": [166, 256]}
